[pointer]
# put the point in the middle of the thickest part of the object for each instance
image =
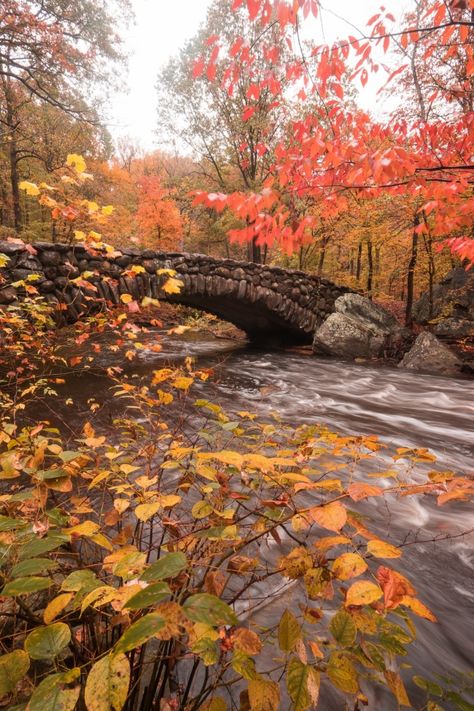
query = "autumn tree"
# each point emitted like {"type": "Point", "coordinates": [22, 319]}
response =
{"type": "Point", "coordinates": [230, 124]}
{"type": "Point", "coordinates": [157, 216]}
{"type": "Point", "coordinates": [335, 154]}
{"type": "Point", "coordinates": [53, 53]}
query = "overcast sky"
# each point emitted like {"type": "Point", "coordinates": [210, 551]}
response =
{"type": "Point", "coordinates": [161, 29]}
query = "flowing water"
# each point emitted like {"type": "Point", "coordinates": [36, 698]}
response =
{"type": "Point", "coordinates": [404, 409]}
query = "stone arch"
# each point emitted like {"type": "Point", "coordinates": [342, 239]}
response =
{"type": "Point", "coordinates": [265, 302]}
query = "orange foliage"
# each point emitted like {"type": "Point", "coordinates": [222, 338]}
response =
{"type": "Point", "coordinates": [157, 215]}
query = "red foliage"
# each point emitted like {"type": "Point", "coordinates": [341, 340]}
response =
{"type": "Point", "coordinates": [332, 151]}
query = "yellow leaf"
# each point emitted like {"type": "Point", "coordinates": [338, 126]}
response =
{"type": "Point", "coordinates": [79, 235]}
{"type": "Point", "coordinates": [333, 516]}
{"type": "Point", "coordinates": [169, 272]}
{"type": "Point", "coordinates": [225, 456]}
{"type": "Point", "coordinates": [126, 298]}
{"type": "Point", "coordinates": [107, 684]}
{"type": "Point", "coordinates": [381, 549]}
{"type": "Point", "coordinates": [167, 501]}
{"type": "Point", "coordinates": [87, 528]}
{"type": "Point", "coordinates": [359, 491]}
{"type": "Point", "coordinates": [178, 330]}
{"type": "Point", "coordinates": [57, 605]}
{"type": "Point", "coordinates": [30, 188]}
{"type": "Point", "coordinates": [264, 695]}
{"type": "Point", "coordinates": [324, 544]}
{"type": "Point", "coordinates": [296, 563]}
{"type": "Point", "coordinates": [77, 162]}
{"type": "Point", "coordinates": [137, 269]}
{"type": "Point", "coordinates": [145, 511]}
{"type": "Point", "coordinates": [101, 540]}
{"type": "Point", "coordinates": [100, 596]}
{"type": "Point", "coordinates": [363, 593]}
{"type": "Point", "coordinates": [183, 383]}
{"type": "Point", "coordinates": [172, 286]}
{"type": "Point", "coordinates": [396, 686]}
{"type": "Point", "coordinates": [121, 505]}
{"type": "Point", "coordinates": [247, 641]}
{"type": "Point", "coordinates": [417, 607]}
{"type": "Point", "coordinates": [349, 565]}
{"type": "Point", "coordinates": [108, 210]}
{"type": "Point", "coordinates": [259, 462]}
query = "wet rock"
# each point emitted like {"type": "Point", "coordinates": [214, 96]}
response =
{"type": "Point", "coordinates": [431, 356]}
{"type": "Point", "coordinates": [454, 328]}
{"type": "Point", "coordinates": [47, 287]}
{"type": "Point", "coordinates": [453, 299]}
{"type": "Point", "coordinates": [51, 258]}
{"type": "Point", "coordinates": [357, 329]}
{"type": "Point", "coordinates": [345, 337]}
{"type": "Point", "coordinates": [7, 295]}
{"type": "Point", "coordinates": [362, 309]}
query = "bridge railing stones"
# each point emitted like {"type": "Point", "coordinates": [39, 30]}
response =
{"type": "Point", "coordinates": [255, 297]}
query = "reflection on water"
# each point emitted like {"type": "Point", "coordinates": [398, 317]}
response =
{"type": "Point", "coordinates": [404, 409]}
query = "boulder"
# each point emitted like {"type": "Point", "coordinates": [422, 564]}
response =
{"type": "Point", "coordinates": [346, 337]}
{"type": "Point", "coordinates": [454, 328]}
{"type": "Point", "coordinates": [429, 355]}
{"type": "Point", "coordinates": [357, 329]}
{"type": "Point", "coordinates": [364, 310]}
{"type": "Point", "coordinates": [453, 299]}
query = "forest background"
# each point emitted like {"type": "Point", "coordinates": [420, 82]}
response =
{"type": "Point", "coordinates": [55, 94]}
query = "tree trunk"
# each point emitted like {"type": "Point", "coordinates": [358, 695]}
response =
{"type": "Point", "coordinates": [431, 269]}
{"type": "Point", "coordinates": [411, 271]}
{"type": "Point", "coordinates": [370, 269]}
{"type": "Point", "coordinates": [15, 181]}
{"type": "Point", "coordinates": [254, 251]}
{"type": "Point", "coordinates": [13, 156]}
{"type": "Point", "coordinates": [359, 261]}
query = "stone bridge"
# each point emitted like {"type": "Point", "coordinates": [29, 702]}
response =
{"type": "Point", "coordinates": [265, 302]}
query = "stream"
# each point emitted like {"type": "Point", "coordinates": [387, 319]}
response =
{"type": "Point", "coordinates": [403, 409]}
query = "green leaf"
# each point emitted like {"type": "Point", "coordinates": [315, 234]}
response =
{"type": "Point", "coordinates": [10, 524]}
{"type": "Point", "coordinates": [148, 596]}
{"type": "Point", "coordinates": [429, 686]}
{"type": "Point", "coordinates": [210, 610]}
{"type": "Point", "coordinates": [289, 631]}
{"type": "Point", "coordinates": [80, 580]}
{"type": "Point", "coordinates": [342, 673]}
{"type": "Point", "coordinates": [461, 703]}
{"type": "Point", "coordinates": [24, 586]}
{"type": "Point", "coordinates": [107, 684]}
{"type": "Point", "coordinates": [343, 629]}
{"type": "Point", "coordinates": [207, 650]}
{"type": "Point", "coordinates": [167, 567]}
{"type": "Point", "coordinates": [45, 474]}
{"type": "Point", "coordinates": [33, 566]}
{"type": "Point", "coordinates": [244, 665]}
{"type": "Point", "coordinates": [53, 695]}
{"type": "Point", "coordinates": [47, 642]}
{"type": "Point", "coordinates": [297, 684]}
{"type": "Point", "coordinates": [140, 632]}
{"type": "Point", "coordinates": [201, 509]}
{"type": "Point", "coordinates": [38, 546]}
{"type": "Point", "coordinates": [13, 668]}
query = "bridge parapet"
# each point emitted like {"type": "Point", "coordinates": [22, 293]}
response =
{"type": "Point", "coordinates": [261, 300]}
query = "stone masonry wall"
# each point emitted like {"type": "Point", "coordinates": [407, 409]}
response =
{"type": "Point", "coordinates": [257, 298]}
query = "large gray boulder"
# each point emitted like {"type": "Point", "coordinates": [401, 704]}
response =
{"type": "Point", "coordinates": [357, 329]}
{"type": "Point", "coordinates": [431, 356]}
